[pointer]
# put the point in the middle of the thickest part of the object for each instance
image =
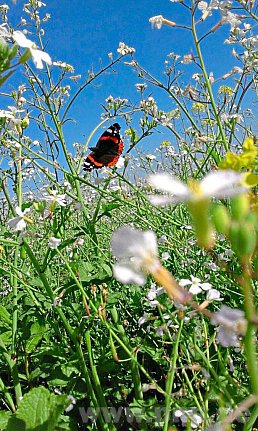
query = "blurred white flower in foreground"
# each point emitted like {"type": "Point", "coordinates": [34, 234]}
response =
{"type": "Point", "coordinates": [231, 324]}
{"type": "Point", "coordinates": [217, 184]}
{"type": "Point", "coordinates": [37, 55]}
{"type": "Point", "coordinates": [137, 255]}
{"type": "Point", "coordinates": [20, 222]}
{"type": "Point", "coordinates": [137, 252]}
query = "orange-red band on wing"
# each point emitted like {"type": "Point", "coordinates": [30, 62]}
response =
{"type": "Point", "coordinates": [113, 162]}
{"type": "Point", "coordinates": [108, 138]}
{"type": "Point", "coordinates": [91, 158]}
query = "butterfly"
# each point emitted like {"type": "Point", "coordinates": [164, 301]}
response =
{"type": "Point", "coordinates": [107, 151]}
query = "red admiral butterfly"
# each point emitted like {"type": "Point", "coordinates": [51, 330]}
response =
{"type": "Point", "coordinates": [107, 151]}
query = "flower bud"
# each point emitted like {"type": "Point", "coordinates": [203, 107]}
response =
{"type": "Point", "coordinates": [25, 122]}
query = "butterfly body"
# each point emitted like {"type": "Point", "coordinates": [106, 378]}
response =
{"type": "Point", "coordinates": [107, 151]}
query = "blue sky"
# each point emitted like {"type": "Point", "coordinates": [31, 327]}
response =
{"type": "Point", "coordinates": [82, 33]}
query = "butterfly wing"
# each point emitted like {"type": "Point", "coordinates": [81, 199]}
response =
{"type": "Point", "coordinates": [107, 151]}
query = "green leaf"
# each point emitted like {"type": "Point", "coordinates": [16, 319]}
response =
{"type": "Point", "coordinates": [25, 57]}
{"type": "Point", "coordinates": [5, 315]}
{"type": "Point", "coordinates": [4, 417]}
{"type": "Point", "coordinates": [12, 52]}
{"type": "Point", "coordinates": [4, 78]}
{"type": "Point", "coordinates": [85, 270]}
{"type": "Point", "coordinates": [39, 410]}
{"type": "Point", "coordinates": [37, 333]}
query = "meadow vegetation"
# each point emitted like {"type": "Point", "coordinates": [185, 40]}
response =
{"type": "Point", "coordinates": [128, 294]}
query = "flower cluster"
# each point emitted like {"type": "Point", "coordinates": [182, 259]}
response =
{"type": "Point", "coordinates": [124, 49]}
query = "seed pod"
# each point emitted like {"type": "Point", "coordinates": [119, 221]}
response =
{"type": "Point", "coordinates": [243, 238]}
{"type": "Point", "coordinates": [239, 207]}
{"type": "Point", "coordinates": [221, 219]}
{"type": "Point", "coordinates": [22, 253]}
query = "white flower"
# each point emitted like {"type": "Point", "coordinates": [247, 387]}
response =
{"type": "Point", "coordinates": [63, 65]}
{"type": "Point", "coordinates": [120, 163]}
{"type": "Point", "coordinates": [153, 293]}
{"type": "Point", "coordinates": [19, 223]}
{"type": "Point", "coordinates": [37, 55]}
{"type": "Point", "coordinates": [231, 18]}
{"type": "Point", "coordinates": [141, 87]}
{"type": "Point", "coordinates": [53, 197]}
{"type": "Point", "coordinates": [72, 403]}
{"type": "Point", "coordinates": [231, 324]}
{"type": "Point", "coordinates": [4, 33]}
{"type": "Point", "coordinates": [217, 184]}
{"type": "Point", "coordinates": [137, 255]}
{"type": "Point", "coordinates": [54, 242]}
{"type": "Point", "coordinates": [143, 319]}
{"type": "Point", "coordinates": [165, 255]}
{"type": "Point", "coordinates": [123, 49]}
{"type": "Point", "coordinates": [137, 252]}
{"type": "Point", "coordinates": [213, 295]}
{"type": "Point", "coordinates": [188, 415]}
{"type": "Point", "coordinates": [150, 157]}
{"type": "Point", "coordinates": [156, 21]}
{"type": "Point", "coordinates": [196, 285]}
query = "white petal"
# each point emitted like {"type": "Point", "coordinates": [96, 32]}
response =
{"type": "Point", "coordinates": [22, 40]}
{"type": "Point", "coordinates": [20, 225]}
{"type": "Point", "coordinates": [17, 223]}
{"type": "Point", "coordinates": [46, 57]}
{"type": "Point", "coordinates": [206, 286]}
{"type": "Point", "coordinates": [195, 289]}
{"type": "Point", "coordinates": [120, 163]}
{"type": "Point", "coordinates": [161, 201]}
{"type": "Point", "coordinates": [213, 295]}
{"type": "Point", "coordinates": [127, 275]}
{"type": "Point", "coordinates": [167, 183]}
{"type": "Point", "coordinates": [150, 242]}
{"type": "Point", "coordinates": [129, 242]}
{"type": "Point", "coordinates": [38, 56]}
{"type": "Point", "coordinates": [222, 184]}
{"type": "Point", "coordinates": [202, 5]}
{"type": "Point", "coordinates": [195, 279]}
{"type": "Point", "coordinates": [54, 242]}
{"type": "Point", "coordinates": [184, 282]}
{"type": "Point", "coordinates": [19, 211]}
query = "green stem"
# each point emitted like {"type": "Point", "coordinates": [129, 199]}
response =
{"type": "Point", "coordinates": [70, 332]}
{"type": "Point", "coordinates": [14, 278]}
{"type": "Point", "coordinates": [171, 376]}
{"type": "Point", "coordinates": [116, 336]}
{"type": "Point", "coordinates": [133, 364]}
{"type": "Point", "coordinates": [96, 381]}
{"type": "Point", "coordinates": [250, 339]}
{"type": "Point", "coordinates": [14, 371]}
{"type": "Point", "coordinates": [7, 396]}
